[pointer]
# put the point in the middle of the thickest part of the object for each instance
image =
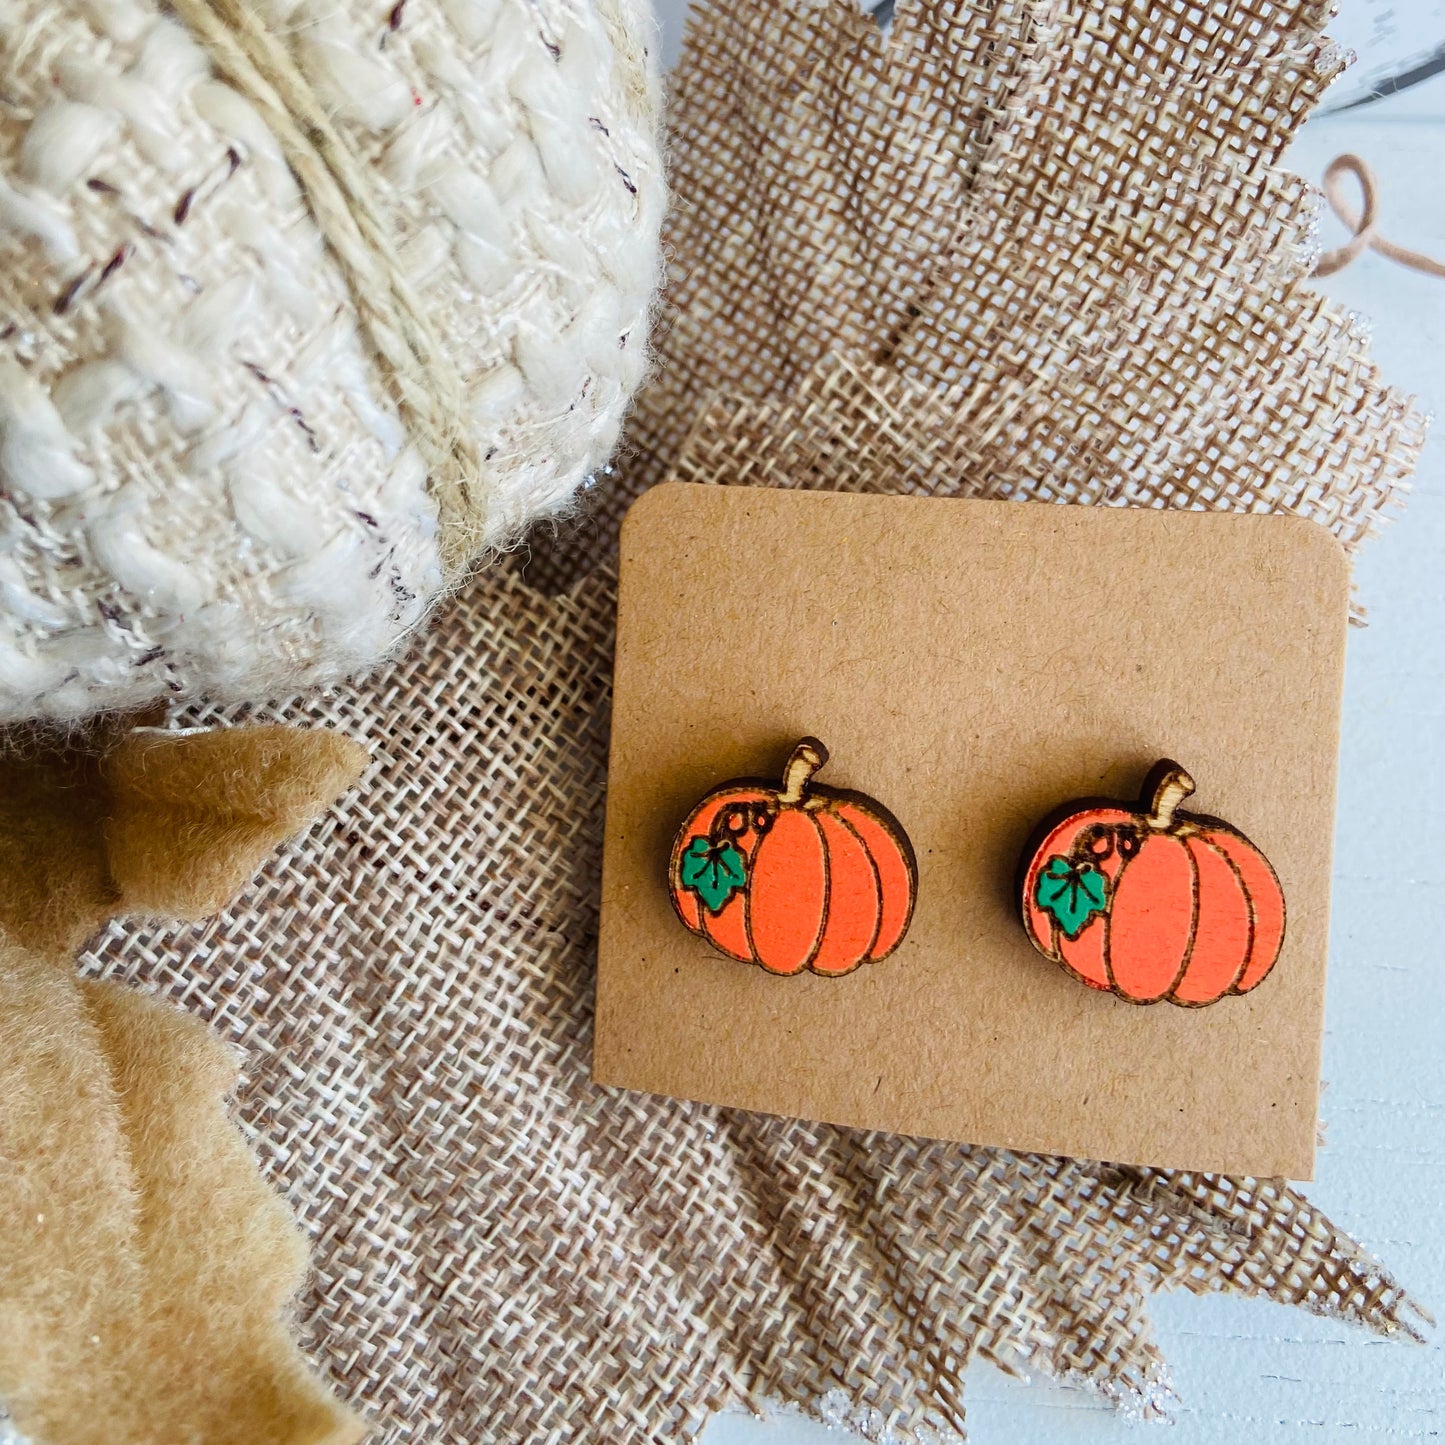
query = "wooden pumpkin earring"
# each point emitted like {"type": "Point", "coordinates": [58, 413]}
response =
{"type": "Point", "coordinates": [794, 877]}
{"type": "Point", "coordinates": [1150, 903]}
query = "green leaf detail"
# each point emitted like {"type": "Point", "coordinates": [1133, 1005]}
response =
{"type": "Point", "coordinates": [1071, 893]}
{"type": "Point", "coordinates": [714, 871]}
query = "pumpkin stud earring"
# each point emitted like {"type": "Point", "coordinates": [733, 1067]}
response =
{"type": "Point", "coordinates": [1152, 903]}
{"type": "Point", "coordinates": [798, 877]}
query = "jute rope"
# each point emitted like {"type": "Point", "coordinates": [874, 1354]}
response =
{"type": "Point", "coordinates": [1363, 225]}
{"type": "Point", "coordinates": [338, 189]}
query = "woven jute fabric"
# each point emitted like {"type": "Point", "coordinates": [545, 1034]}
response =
{"type": "Point", "coordinates": [851, 427]}
{"type": "Point", "coordinates": [1019, 250]}
{"type": "Point", "coordinates": [1073, 211]}
{"type": "Point", "coordinates": [504, 1252]}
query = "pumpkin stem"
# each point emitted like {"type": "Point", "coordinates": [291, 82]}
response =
{"type": "Point", "coordinates": [804, 761]}
{"type": "Point", "coordinates": [1171, 785]}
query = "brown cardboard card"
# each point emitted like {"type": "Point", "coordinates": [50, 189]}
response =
{"type": "Point", "coordinates": [973, 665]}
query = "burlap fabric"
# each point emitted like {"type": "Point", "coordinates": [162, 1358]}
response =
{"type": "Point", "coordinates": [1075, 214]}
{"type": "Point", "coordinates": [506, 1253]}
{"type": "Point", "coordinates": [503, 1251]}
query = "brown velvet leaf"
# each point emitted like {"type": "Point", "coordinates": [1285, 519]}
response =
{"type": "Point", "coordinates": [191, 816]}
{"type": "Point", "coordinates": [146, 1269]}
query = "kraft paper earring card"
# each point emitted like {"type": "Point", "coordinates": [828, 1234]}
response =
{"type": "Point", "coordinates": [973, 666]}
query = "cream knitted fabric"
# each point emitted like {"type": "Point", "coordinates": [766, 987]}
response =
{"type": "Point", "coordinates": [303, 305]}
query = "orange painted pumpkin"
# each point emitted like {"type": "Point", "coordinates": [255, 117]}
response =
{"type": "Point", "coordinates": [797, 877]}
{"type": "Point", "coordinates": [1151, 903]}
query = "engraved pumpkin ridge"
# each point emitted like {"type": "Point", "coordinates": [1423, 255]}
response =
{"type": "Point", "coordinates": [795, 878]}
{"type": "Point", "coordinates": [1153, 904]}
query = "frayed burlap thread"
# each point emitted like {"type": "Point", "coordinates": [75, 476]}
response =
{"type": "Point", "coordinates": [504, 1251]}
{"type": "Point", "coordinates": [1078, 209]}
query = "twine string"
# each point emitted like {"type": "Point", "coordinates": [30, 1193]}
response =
{"type": "Point", "coordinates": [426, 383]}
{"type": "Point", "coordinates": [1363, 224]}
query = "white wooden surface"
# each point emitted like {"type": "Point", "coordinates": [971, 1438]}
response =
{"type": "Point", "coordinates": [1249, 1371]}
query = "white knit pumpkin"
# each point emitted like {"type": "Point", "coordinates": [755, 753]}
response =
{"type": "Point", "coordinates": [303, 305]}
